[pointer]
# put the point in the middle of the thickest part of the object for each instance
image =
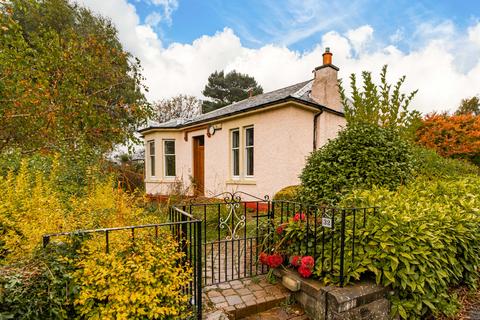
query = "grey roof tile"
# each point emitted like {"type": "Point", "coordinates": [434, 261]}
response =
{"type": "Point", "coordinates": [299, 91]}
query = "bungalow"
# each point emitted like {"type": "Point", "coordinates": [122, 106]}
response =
{"type": "Point", "coordinates": [257, 145]}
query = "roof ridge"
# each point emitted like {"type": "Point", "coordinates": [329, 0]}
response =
{"type": "Point", "coordinates": [259, 95]}
{"type": "Point", "coordinates": [300, 92]}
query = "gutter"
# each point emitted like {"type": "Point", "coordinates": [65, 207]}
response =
{"type": "Point", "coordinates": [315, 129]}
{"type": "Point", "coordinates": [271, 103]}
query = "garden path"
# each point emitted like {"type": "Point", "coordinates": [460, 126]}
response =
{"type": "Point", "coordinates": [242, 298]}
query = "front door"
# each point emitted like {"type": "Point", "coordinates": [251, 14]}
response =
{"type": "Point", "coordinates": [199, 165]}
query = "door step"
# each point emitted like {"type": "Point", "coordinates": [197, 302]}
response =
{"type": "Point", "coordinates": [242, 298]}
{"type": "Point", "coordinates": [280, 313]}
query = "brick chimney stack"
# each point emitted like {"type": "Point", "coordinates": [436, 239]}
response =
{"type": "Point", "coordinates": [325, 83]}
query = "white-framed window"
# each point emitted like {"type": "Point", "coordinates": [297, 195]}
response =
{"type": "Point", "coordinates": [151, 154]}
{"type": "Point", "coordinates": [169, 158]}
{"type": "Point", "coordinates": [235, 136]}
{"type": "Point", "coordinates": [249, 152]}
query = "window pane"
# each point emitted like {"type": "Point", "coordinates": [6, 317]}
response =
{"type": "Point", "coordinates": [249, 161]}
{"type": "Point", "coordinates": [152, 166]}
{"type": "Point", "coordinates": [152, 148]}
{"type": "Point", "coordinates": [249, 137]}
{"type": "Point", "coordinates": [235, 139]}
{"type": "Point", "coordinates": [170, 165]}
{"type": "Point", "coordinates": [236, 162]}
{"type": "Point", "coordinates": [169, 147]}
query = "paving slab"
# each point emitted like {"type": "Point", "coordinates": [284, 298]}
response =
{"type": "Point", "coordinates": [239, 299]}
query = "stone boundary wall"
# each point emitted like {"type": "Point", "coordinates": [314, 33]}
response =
{"type": "Point", "coordinates": [364, 300]}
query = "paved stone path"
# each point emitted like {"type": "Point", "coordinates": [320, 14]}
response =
{"type": "Point", "coordinates": [280, 313]}
{"type": "Point", "coordinates": [474, 313]}
{"type": "Point", "coordinates": [229, 260]}
{"type": "Point", "coordinates": [242, 298]}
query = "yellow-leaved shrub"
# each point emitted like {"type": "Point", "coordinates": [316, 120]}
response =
{"type": "Point", "coordinates": [29, 208]}
{"type": "Point", "coordinates": [137, 280]}
{"type": "Point", "coordinates": [31, 205]}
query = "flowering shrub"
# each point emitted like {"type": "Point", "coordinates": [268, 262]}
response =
{"type": "Point", "coordinates": [272, 260]}
{"type": "Point", "coordinates": [285, 239]}
{"type": "Point", "coordinates": [295, 261]}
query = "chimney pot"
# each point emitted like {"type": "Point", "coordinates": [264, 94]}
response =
{"type": "Point", "coordinates": [327, 56]}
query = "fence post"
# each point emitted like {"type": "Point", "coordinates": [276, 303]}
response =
{"type": "Point", "coordinates": [198, 264]}
{"type": "Point", "coordinates": [184, 235]}
{"type": "Point", "coordinates": [342, 248]}
{"type": "Point", "coordinates": [46, 240]}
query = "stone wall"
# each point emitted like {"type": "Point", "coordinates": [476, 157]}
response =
{"type": "Point", "coordinates": [364, 300]}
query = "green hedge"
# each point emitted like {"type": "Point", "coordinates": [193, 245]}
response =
{"type": "Point", "coordinates": [360, 157]}
{"type": "Point", "coordinates": [430, 164]}
{"type": "Point", "coordinates": [289, 193]}
{"type": "Point", "coordinates": [425, 239]}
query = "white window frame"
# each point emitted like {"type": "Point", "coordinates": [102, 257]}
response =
{"type": "Point", "coordinates": [232, 151]}
{"type": "Point", "coordinates": [174, 154]}
{"type": "Point", "coordinates": [152, 166]}
{"type": "Point", "coordinates": [246, 151]}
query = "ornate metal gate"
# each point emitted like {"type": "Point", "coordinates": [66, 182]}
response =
{"type": "Point", "coordinates": [233, 235]}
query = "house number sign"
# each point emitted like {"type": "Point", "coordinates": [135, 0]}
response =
{"type": "Point", "coordinates": [327, 222]}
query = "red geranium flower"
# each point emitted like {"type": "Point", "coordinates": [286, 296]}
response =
{"type": "Point", "coordinates": [308, 262]}
{"type": "Point", "coordinates": [304, 271]}
{"type": "Point", "coordinates": [274, 260]}
{"type": "Point", "coordinates": [263, 258]}
{"type": "Point", "coordinates": [299, 216]}
{"type": "Point", "coordinates": [280, 229]}
{"type": "Point", "coordinates": [295, 261]}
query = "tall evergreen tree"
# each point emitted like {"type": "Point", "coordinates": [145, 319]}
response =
{"type": "Point", "coordinates": [469, 106]}
{"type": "Point", "coordinates": [224, 89]}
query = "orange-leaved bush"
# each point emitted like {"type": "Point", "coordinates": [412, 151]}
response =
{"type": "Point", "coordinates": [451, 135]}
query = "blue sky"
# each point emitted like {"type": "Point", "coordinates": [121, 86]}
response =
{"type": "Point", "coordinates": [299, 26]}
{"type": "Point", "coordinates": [436, 44]}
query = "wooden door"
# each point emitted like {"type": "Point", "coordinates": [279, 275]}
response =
{"type": "Point", "coordinates": [199, 165]}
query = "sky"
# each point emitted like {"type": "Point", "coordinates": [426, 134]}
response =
{"type": "Point", "coordinates": [435, 44]}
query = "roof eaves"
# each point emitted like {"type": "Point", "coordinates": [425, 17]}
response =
{"type": "Point", "coordinates": [260, 106]}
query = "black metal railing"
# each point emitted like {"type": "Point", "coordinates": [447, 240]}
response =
{"type": "Point", "coordinates": [185, 229]}
{"type": "Point", "coordinates": [332, 234]}
{"type": "Point", "coordinates": [222, 238]}
{"type": "Point", "coordinates": [235, 232]}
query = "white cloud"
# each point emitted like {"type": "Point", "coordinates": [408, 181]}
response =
{"type": "Point", "coordinates": [169, 6]}
{"type": "Point", "coordinates": [153, 19]}
{"type": "Point", "coordinates": [360, 37]}
{"type": "Point", "coordinates": [435, 65]}
{"type": "Point", "coordinates": [474, 34]}
{"type": "Point", "coordinates": [397, 36]}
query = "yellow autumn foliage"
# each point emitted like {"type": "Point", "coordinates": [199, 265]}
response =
{"type": "Point", "coordinates": [137, 280]}
{"type": "Point", "coordinates": [31, 206]}
{"type": "Point", "coordinates": [142, 278]}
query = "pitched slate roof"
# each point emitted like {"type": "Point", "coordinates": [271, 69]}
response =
{"type": "Point", "coordinates": [299, 92]}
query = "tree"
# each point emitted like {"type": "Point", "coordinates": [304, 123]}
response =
{"type": "Point", "coordinates": [66, 83]}
{"type": "Point", "coordinates": [469, 106]}
{"type": "Point", "coordinates": [181, 106]}
{"type": "Point", "coordinates": [456, 136]}
{"type": "Point", "coordinates": [226, 89]}
{"type": "Point", "coordinates": [379, 105]}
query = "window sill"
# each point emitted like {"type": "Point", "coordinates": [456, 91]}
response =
{"type": "Point", "coordinates": [160, 180]}
{"type": "Point", "coordinates": [242, 182]}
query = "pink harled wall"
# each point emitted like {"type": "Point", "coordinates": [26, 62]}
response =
{"type": "Point", "coordinates": [283, 139]}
